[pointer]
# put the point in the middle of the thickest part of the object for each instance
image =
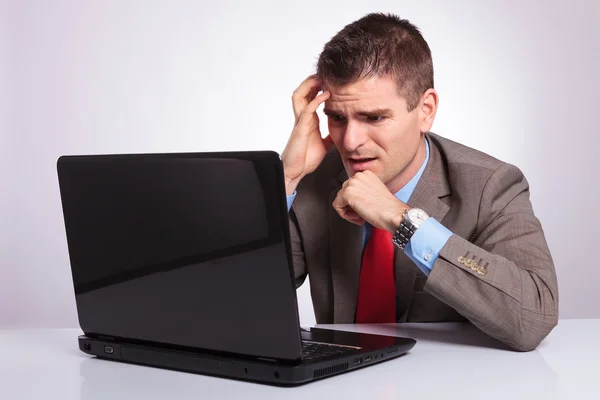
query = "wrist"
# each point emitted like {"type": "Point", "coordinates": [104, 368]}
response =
{"type": "Point", "coordinates": [291, 185]}
{"type": "Point", "coordinates": [396, 219]}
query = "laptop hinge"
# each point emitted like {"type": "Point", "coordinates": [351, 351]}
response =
{"type": "Point", "coordinates": [105, 338]}
{"type": "Point", "coordinates": [271, 360]}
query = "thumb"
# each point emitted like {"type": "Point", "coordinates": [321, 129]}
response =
{"type": "Point", "coordinates": [328, 142]}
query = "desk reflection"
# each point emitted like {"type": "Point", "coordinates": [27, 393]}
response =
{"type": "Point", "coordinates": [449, 361]}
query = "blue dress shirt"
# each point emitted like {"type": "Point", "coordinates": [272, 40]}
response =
{"type": "Point", "coordinates": [427, 242]}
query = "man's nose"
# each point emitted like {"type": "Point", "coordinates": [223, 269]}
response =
{"type": "Point", "coordinates": [354, 136]}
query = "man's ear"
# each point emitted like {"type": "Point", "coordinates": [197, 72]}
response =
{"type": "Point", "coordinates": [427, 109]}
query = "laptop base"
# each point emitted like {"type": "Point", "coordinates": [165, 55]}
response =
{"type": "Point", "coordinates": [255, 369]}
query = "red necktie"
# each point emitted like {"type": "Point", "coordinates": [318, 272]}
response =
{"type": "Point", "coordinates": [377, 288]}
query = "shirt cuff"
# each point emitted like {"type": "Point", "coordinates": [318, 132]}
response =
{"type": "Point", "coordinates": [425, 245]}
{"type": "Point", "coordinates": [290, 200]}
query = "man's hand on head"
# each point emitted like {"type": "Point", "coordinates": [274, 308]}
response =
{"type": "Point", "coordinates": [364, 198]}
{"type": "Point", "coordinates": [306, 148]}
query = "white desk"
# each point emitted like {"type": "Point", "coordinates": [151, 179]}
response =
{"type": "Point", "coordinates": [450, 361]}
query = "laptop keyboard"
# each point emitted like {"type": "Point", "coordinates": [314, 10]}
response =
{"type": "Point", "coordinates": [315, 351]}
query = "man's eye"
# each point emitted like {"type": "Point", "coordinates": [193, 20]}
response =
{"type": "Point", "coordinates": [336, 118]}
{"type": "Point", "coordinates": [375, 118]}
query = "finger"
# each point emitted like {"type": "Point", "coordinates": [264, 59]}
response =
{"type": "Point", "coordinates": [345, 211]}
{"type": "Point", "coordinates": [328, 142]}
{"type": "Point", "coordinates": [350, 181]}
{"type": "Point", "coordinates": [305, 93]}
{"type": "Point", "coordinates": [308, 78]}
{"type": "Point", "coordinates": [311, 108]}
{"type": "Point", "coordinates": [312, 93]}
{"type": "Point", "coordinates": [357, 221]}
{"type": "Point", "coordinates": [339, 204]}
{"type": "Point", "coordinates": [350, 213]}
{"type": "Point", "coordinates": [369, 179]}
{"type": "Point", "coordinates": [351, 216]}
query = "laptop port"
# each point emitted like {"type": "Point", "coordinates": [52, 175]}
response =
{"type": "Point", "coordinates": [357, 361]}
{"type": "Point", "coordinates": [109, 349]}
{"type": "Point", "coordinates": [368, 358]}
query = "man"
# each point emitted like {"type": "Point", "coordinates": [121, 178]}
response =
{"type": "Point", "coordinates": [394, 223]}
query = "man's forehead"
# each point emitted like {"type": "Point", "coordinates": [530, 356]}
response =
{"type": "Point", "coordinates": [358, 104]}
{"type": "Point", "coordinates": [365, 95]}
{"type": "Point", "coordinates": [376, 109]}
{"type": "Point", "coordinates": [364, 86]}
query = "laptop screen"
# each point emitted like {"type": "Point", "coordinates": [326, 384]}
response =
{"type": "Point", "coordinates": [181, 249]}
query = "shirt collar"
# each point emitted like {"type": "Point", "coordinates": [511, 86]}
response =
{"type": "Point", "coordinates": [407, 190]}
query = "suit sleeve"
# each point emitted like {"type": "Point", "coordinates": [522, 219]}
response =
{"type": "Point", "coordinates": [503, 281]}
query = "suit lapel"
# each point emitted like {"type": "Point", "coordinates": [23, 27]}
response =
{"type": "Point", "coordinates": [346, 242]}
{"type": "Point", "coordinates": [345, 253]}
{"type": "Point", "coordinates": [431, 187]}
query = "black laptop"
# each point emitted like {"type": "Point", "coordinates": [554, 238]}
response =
{"type": "Point", "coordinates": [183, 261]}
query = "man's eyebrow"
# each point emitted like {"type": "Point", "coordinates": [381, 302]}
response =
{"type": "Point", "coordinates": [327, 111]}
{"type": "Point", "coordinates": [377, 111]}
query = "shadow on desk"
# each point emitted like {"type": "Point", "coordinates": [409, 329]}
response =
{"type": "Point", "coordinates": [453, 333]}
{"type": "Point", "coordinates": [463, 334]}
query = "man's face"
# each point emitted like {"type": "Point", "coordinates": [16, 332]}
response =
{"type": "Point", "coordinates": [371, 127]}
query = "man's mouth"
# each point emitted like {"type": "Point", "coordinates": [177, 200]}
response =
{"type": "Point", "coordinates": [360, 160]}
{"type": "Point", "coordinates": [361, 164]}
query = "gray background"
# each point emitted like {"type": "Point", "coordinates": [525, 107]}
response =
{"type": "Point", "coordinates": [517, 79]}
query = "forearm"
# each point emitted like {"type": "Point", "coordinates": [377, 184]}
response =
{"type": "Point", "coordinates": [514, 302]}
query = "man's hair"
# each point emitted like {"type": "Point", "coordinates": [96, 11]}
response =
{"type": "Point", "coordinates": [381, 45]}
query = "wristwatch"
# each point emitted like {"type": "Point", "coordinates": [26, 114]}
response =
{"type": "Point", "coordinates": [411, 220]}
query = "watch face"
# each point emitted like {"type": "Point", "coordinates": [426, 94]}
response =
{"type": "Point", "coordinates": [417, 216]}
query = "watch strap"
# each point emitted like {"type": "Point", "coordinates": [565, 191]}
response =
{"type": "Point", "coordinates": [403, 233]}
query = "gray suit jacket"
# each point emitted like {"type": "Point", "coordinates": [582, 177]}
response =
{"type": "Point", "coordinates": [484, 202]}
